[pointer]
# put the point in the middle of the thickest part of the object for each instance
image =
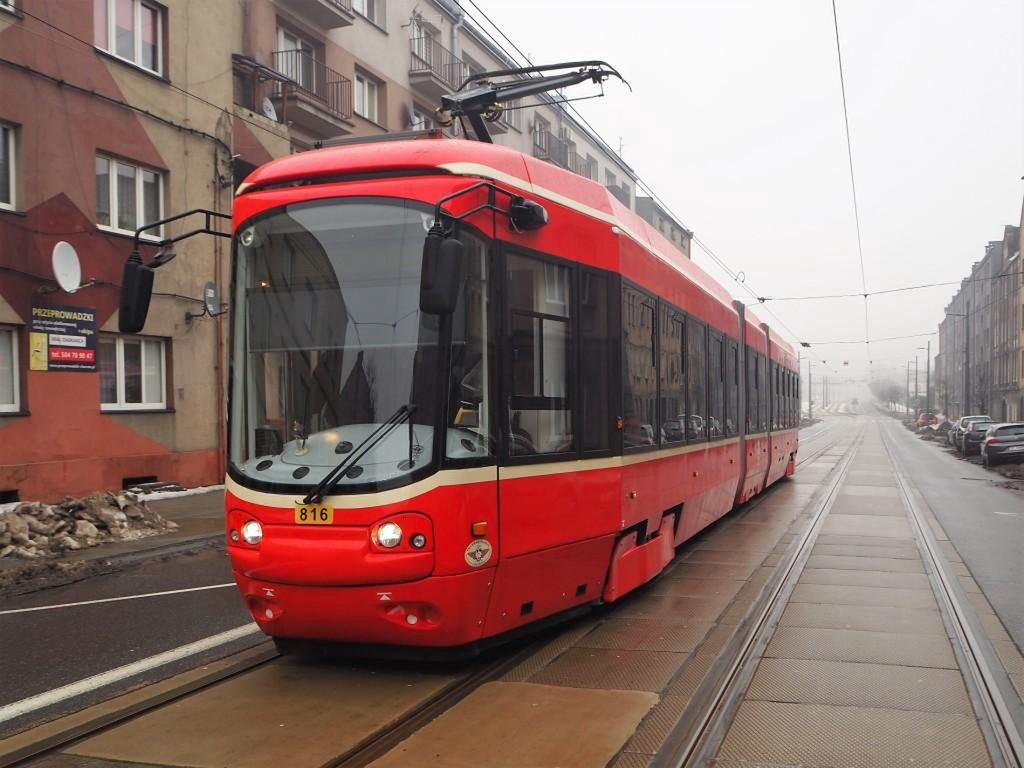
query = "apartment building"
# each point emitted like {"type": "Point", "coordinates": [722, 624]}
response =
{"type": "Point", "coordinates": [330, 69]}
{"type": "Point", "coordinates": [980, 365]}
{"type": "Point", "coordinates": [118, 113]}
{"type": "Point", "coordinates": [99, 137]}
{"type": "Point", "coordinates": [663, 221]}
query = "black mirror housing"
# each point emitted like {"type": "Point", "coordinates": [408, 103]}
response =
{"type": "Point", "coordinates": [439, 280]}
{"type": "Point", "coordinates": [136, 291]}
{"type": "Point", "coordinates": [526, 215]}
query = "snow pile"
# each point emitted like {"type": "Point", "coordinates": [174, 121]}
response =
{"type": "Point", "coordinates": [35, 530]}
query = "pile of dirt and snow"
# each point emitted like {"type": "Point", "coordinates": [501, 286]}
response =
{"type": "Point", "coordinates": [35, 530]}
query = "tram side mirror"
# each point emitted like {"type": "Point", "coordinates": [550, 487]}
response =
{"type": "Point", "coordinates": [526, 215]}
{"type": "Point", "coordinates": [439, 281]}
{"type": "Point", "coordinates": [136, 291]}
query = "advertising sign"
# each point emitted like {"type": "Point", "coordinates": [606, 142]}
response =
{"type": "Point", "coordinates": [62, 338]}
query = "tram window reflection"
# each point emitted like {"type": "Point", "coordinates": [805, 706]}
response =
{"type": "Point", "coordinates": [640, 375]}
{"type": "Point", "coordinates": [540, 353]}
{"type": "Point", "coordinates": [469, 413]}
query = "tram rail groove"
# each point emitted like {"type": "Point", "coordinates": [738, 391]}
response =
{"type": "Point", "coordinates": [695, 739]}
{"type": "Point", "coordinates": [372, 747]}
{"type": "Point", "coordinates": [979, 663]}
{"type": "Point", "coordinates": [80, 725]}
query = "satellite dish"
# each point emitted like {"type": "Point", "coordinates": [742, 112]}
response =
{"type": "Point", "coordinates": [409, 115]}
{"type": "Point", "coordinates": [211, 298]}
{"type": "Point", "coordinates": [66, 268]}
{"type": "Point", "coordinates": [268, 108]}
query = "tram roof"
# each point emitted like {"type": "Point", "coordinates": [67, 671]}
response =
{"type": "Point", "coordinates": [499, 164]}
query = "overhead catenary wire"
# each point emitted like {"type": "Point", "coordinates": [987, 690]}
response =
{"type": "Point", "coordinates": [853, 180]}
{"type": "Point", "coordinates": [884, 291]}
{"type": "Point", "coordinates": [737, 276]}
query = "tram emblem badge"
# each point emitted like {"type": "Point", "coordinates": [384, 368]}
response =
{"type": "Point", "coordinates": [478, 552]}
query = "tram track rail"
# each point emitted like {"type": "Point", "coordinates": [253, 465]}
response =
{"type": "Point", "coordinates": [990, 689]}
{"type": "Point", "coordinates": [58, 734]}
{"type": "Point", "coordinates": [63, 732]}
{"type": "Point", "coordinates": [696, 737]}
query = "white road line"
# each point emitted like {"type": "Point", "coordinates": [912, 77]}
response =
{"type": "Point", "coordinates": [57, 695]}
{"type": "Point", "coordinates": [116, 599]}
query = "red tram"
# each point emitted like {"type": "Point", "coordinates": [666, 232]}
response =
{"type": "Point", "coordinates": [414, 469]}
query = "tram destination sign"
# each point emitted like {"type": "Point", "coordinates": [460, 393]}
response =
{"type": "Point", "coordinates": [62, 338]}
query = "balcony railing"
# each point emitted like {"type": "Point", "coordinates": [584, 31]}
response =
{"type": "Point", "coordinates": [314, 79]}
{"type": "Point", "coordinates": [430, 56]}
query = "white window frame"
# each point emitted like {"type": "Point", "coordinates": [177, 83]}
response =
{"type": "Point", "coordinates": [121, 405]}
{"type": "Point", "coordinates": [14, 407]}
{"type": "Point", "coordinates": [139, 207]}
{"type": "Point", "coordinates": [367, 85]}
{"type": "Point", "coordinates": [10, 131]}
{"type": "Point", "coordinates": [111, 46]}
{"type": "Point", "coordinates": [371, 10]}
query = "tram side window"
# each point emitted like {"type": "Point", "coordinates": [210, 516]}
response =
{"type": "Point", "coordinates": [762, 400]}
{"type": "Point", "coordinates": [794, 404]}
{"type": "Point", "coordinates": [673, 406]}
{"type": "Point", "coordinates": [716, 387]}
{"type": "Point", "coordinates": [776, 415]}
{"type": "Point", "coordinates": [469, 413]}
{"type": "Point", "coordinates": [539, 413]}
{"type": "Point", "coordinates": [732, 388]}
{"type": "Point", "coordinates": [751, 405]}
{"type": "Point", "coordinates": [595, 360]}
{"type": "Point", "coordinates": [696, 380]}
{"type": "Point", "coordinates": [640, 382]}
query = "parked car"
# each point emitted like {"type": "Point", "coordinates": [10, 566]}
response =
{"type": "Point", "coordinates": [961, 427]}
{"type": "Point", "coordinates": [927, 418]}
{"type": "Point", "coordinates": [942, 429]}
{"type": "Point", "coordinates": [971, 440]}
{"type": "Point", "coordinates": [1003, 442]}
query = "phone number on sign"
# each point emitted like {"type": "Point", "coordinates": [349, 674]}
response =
{"type": "Point", "coordinates": [73, 355]}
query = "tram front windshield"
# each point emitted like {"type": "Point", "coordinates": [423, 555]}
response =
{"type": "Point", "coordinates": [329, 342]}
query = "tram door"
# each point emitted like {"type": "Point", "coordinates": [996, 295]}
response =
{"type": "Point", "coordinates": [555, 409]}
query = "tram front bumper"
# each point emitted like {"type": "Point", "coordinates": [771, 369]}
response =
{"type": "Point", "coordinates": [438, 611]}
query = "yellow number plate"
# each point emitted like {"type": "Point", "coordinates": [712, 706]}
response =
{"type": "Point", "coordinates": [313, 514]}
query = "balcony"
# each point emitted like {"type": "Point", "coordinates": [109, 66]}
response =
{"type": "Point", "coordinates": [434, 71]}
{"type": "Point", "coordinates": [313, 96]}
{"type": "Point", "coordinates": [326, 14]}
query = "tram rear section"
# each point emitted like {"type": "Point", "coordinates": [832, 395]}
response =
{"type": "Point", "coordinates": [811, 627]}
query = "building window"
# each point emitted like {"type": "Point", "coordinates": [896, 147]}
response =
{"type": "Point", "coordinates": [422, 119]}
{"type": "Point", "coordinates": [297, 59]}
{"type": "Point", "coordinates": [371, 10]}
{"type": "Point", "coordinates": [127, 196]}
{"type": "Point", "coordinates": [367, 91]}
{"type": "Point", "coordinates": [609, 179]}
{"type": "Point", "coordinates": [10, 401]}
{"type": "Point", "coordinates": [7, 167]}
{"type": "Point", "coordinates": [6, 5]}
{"type": "Point", "coordinates": [131, 373]}
{"type": "Point", "coordinates": [131, 30]}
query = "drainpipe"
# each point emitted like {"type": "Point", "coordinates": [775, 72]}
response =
{"type": "Point", "coordinates": [459, 22]}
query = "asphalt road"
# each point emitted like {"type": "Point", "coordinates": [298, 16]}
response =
{"type": "Point", "coordinates": [984, 522]}
{"type": "Point", "coordinates": [43, 650]}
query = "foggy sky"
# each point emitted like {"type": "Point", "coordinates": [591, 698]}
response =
{"type": "Point", "coordinates": [736, 121]}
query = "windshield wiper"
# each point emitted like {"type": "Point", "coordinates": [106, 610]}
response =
{"type": "Point", "coordinates": [326, 485]}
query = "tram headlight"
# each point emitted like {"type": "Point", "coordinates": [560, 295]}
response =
{"type": "Point", "coordinates": [389, 535]}
{"type": "Point", "coordinates": [252, 532]}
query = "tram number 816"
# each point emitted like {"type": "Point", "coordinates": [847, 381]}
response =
{"type": "Point", "coordinates": [313, 514]}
